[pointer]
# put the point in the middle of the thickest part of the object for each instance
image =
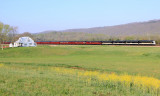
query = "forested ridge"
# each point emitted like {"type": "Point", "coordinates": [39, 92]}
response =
{"type": "Point", "coordinates": [149, 30]}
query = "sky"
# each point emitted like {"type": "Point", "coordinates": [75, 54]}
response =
{"type": "Point", "coordinates": [42, 15]}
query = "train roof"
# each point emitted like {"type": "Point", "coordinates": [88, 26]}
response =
{"type": "Point", "coordinates": [104, 41]}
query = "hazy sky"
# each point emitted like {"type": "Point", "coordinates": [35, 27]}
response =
{"type": "Point", "coordinates": [41, 15]}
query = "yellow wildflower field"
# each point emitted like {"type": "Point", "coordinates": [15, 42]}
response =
{"type": "Point", "coordinates": [141, 82]}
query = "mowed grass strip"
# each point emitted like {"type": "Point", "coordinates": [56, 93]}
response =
{"type": "Point", "coordinates": [119, 59]}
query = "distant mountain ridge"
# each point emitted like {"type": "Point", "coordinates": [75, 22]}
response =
{"type": "Point", "coordinates": [137, 30]}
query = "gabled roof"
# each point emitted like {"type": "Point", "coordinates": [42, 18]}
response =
{"type": "Point", "coordinates": [24, 40]}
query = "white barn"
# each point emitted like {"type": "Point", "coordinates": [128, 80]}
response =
{"type": "Point", "coordinates": [24, 42]}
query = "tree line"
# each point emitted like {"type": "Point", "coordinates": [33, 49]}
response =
{"type": "Point", "coordinates": [83, 36]}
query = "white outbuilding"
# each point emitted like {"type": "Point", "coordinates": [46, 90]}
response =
{"type": "Point", "coordinates": [24, 42]}
{"type": "Point", "coordinates": [11, 45]}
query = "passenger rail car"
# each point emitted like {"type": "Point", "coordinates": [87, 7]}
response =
{"type": "Point", "coordinates": [129, 42]}
{"type": "Point", "coordinates": [6, 42]}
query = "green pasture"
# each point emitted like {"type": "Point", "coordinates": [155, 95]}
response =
{"type": "Point", "coordinates": [25, 70]}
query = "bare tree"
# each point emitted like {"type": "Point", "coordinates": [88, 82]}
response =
{"type": "Point", "coordinates": [4, 30]}
{"type": "Point", "coordinates": [1, 29]}
{"type": "Point", "coordinates": [24, 34]}
{"type": "Point", "coordinates": [13, 33]}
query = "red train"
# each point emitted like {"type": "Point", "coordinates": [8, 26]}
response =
{"type": "Point", "coordinates": [117, 42]}
{"type": "Point", "coordinates": [71, 42]}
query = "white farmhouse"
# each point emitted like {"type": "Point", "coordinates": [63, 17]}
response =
{"type": "Point", "coordinates": [25, 42]}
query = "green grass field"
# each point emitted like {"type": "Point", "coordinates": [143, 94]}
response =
{"type": "Point", "coordinates": [26, 71]}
